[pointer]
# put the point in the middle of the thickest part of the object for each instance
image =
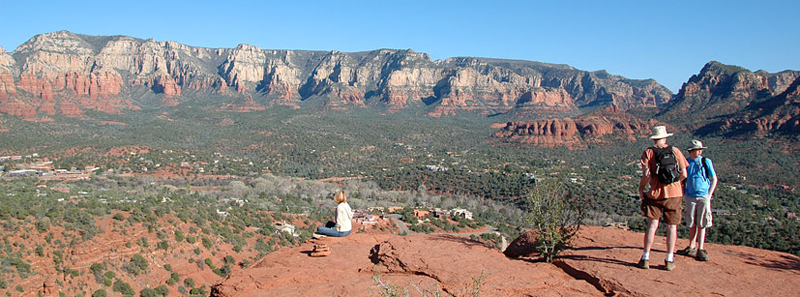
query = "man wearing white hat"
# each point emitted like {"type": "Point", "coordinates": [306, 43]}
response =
{"type": "Point", "coordinates": [700, 186]}
{"type": "Point", "coordinates": [663, 167]}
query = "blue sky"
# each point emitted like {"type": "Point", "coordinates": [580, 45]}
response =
{"type": "Point", "coordinates": [665, 40]}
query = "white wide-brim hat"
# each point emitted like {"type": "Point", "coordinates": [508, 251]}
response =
{"type": "Point", "coordinates": [660, 132]}
{"type": "Point", "coordinates": [696, 145]}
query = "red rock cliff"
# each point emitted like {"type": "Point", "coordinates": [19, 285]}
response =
{"type": "Point", "coordinates": [61, 67]}
{"type": "Point", "coordinates": [597, 127]}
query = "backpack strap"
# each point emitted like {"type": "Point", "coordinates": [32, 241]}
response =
{"type": "Point", "coordinates": [706, 169]}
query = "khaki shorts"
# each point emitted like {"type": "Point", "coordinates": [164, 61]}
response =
{"type": "Point", "coordinates": [669, 208]}
{"type": "Point", "coordinates": [698, 211]}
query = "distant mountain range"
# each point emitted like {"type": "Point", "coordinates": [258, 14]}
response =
{"type": "Point", "coordinates": [63, 73]}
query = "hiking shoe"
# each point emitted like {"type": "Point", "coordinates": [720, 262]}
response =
{"type": "Point", "coordinates": [702, 255]}
{"type": "Point", "coordinates": [670, 265]}
{"type": "Point", "coordinates": [643, 264]}
{"type": "Point", "coordinates": [688, 252]}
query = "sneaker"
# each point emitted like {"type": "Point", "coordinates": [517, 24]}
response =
{"type": "Point", "coordinates": [643, 264]}
{"type": "Point", "coordinates": [687, 252]}
{"type": "Point", "coordinates": [670, 265]}
{"type": "Point", "coordinates": [318, 236]}
{"type": "Point", "coordinates": [702, 255]}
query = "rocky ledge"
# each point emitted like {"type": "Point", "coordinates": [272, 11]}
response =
{"type": "Point", "coordinates": [601, 263]}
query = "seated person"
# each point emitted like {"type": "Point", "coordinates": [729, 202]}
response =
{"type": "Point", "coordinates": [342, 225]}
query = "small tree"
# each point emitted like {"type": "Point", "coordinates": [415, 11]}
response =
{"type": "Point", "coordinates": [137, 265]}
{"type": "Point", "coordinates": [556, 215]}
{"type": "Point", "coordinates": [123, 287]}
{"type": "Point", "coordinates": [100, 293]}
{"type": "Point", "coordinates": [148, 292]}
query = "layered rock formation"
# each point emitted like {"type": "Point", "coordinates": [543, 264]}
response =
{"type": "Point", "coordinates": [597, 127]}
{"type": "Point", "coordinates": [722, 89]}
{"type": "Point", "coordinates": [601, 263]}
{"type": "Point", "coordinates": [67, 73]}
{"type": "Point", "coordinates": [735, 98]}
{"type": "Point", "coordinates": [777, 115]}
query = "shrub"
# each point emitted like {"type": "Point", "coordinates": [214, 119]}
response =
{"type": "Point", "coordinates": [223, 271]}
{"type": "Point", "coordinates": [43, 225]}
{"type": "Point", "coordinates": [123, 287]}
{"type": "Point", "coordinates": [147, 292]}
{"type": "Point", "coordinates": [136, 265]}
{"type": "Point", "coordinates": [556, 215]}
{"type": "Point", "coordinates": [143, 242]}
{"type": "Point", "coordinates": [198, 291]}
{"type": "Point", "coordinates": [100, 293]}
{"type": "Point", "coordinates": [173, 278]}
{"type": "Point", "coordinates": [163, 245]}
{"type": "Point", "coordinates": [97, 270]}
{"type": "Point", "coordinates": [162, 290]}
{"type": "Point", "coordinates": [210, 263]}
{"type": "Point", "coordinates": [179, 235]}
{"type": "Point", "coordinates": [207, 243]}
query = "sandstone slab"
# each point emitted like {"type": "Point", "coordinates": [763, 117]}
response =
{"type": "Point", "coordinates": [426, 262]}
{"type": "Point", "coordinates": [606, 257]}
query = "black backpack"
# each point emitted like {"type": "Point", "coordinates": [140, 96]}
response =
{"type": "Point", "coordinates": [667, 170]}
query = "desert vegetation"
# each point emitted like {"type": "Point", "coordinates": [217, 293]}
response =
{"type": "Point", "coordinates": [195, 200]}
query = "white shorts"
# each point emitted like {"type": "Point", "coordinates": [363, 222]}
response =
{"type": "Point", "coordinates": [697, 211]}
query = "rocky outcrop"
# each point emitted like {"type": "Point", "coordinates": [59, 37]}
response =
{"type": "Point", "coordinates": [778, 115]}
{"type": "Point", "coordinates": [600, 263]}
{"type": "Point", "coordinates": [606, 258]}
{"type": "Point", "coordinates": [524, 245]}
{"type": "Point", "coordinates": [733, 101]}
{"type": "Point", "coordinates": [62, 68]}
{"type": "Point", "coordinates": [7, 66]}
{"type": "Point", "coordinates": [446, 264]}
{"type": "Point", "coordinates": [602, 126]}
{"type": "Point", "coordinates": [246, 104]}
{"type": "Point", "coordinates": [724, 90]}
{"type": "Point", "coordinates": [548, 133]}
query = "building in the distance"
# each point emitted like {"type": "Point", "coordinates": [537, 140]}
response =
{"type": "Point", "coordinates": [23, 172]}
{"type": "Point", "coordinates": [440, 213]}
{"type": "Point", "coordinates": [284, 227]}
{"type": "Point", "coordinates": [466, 214]}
